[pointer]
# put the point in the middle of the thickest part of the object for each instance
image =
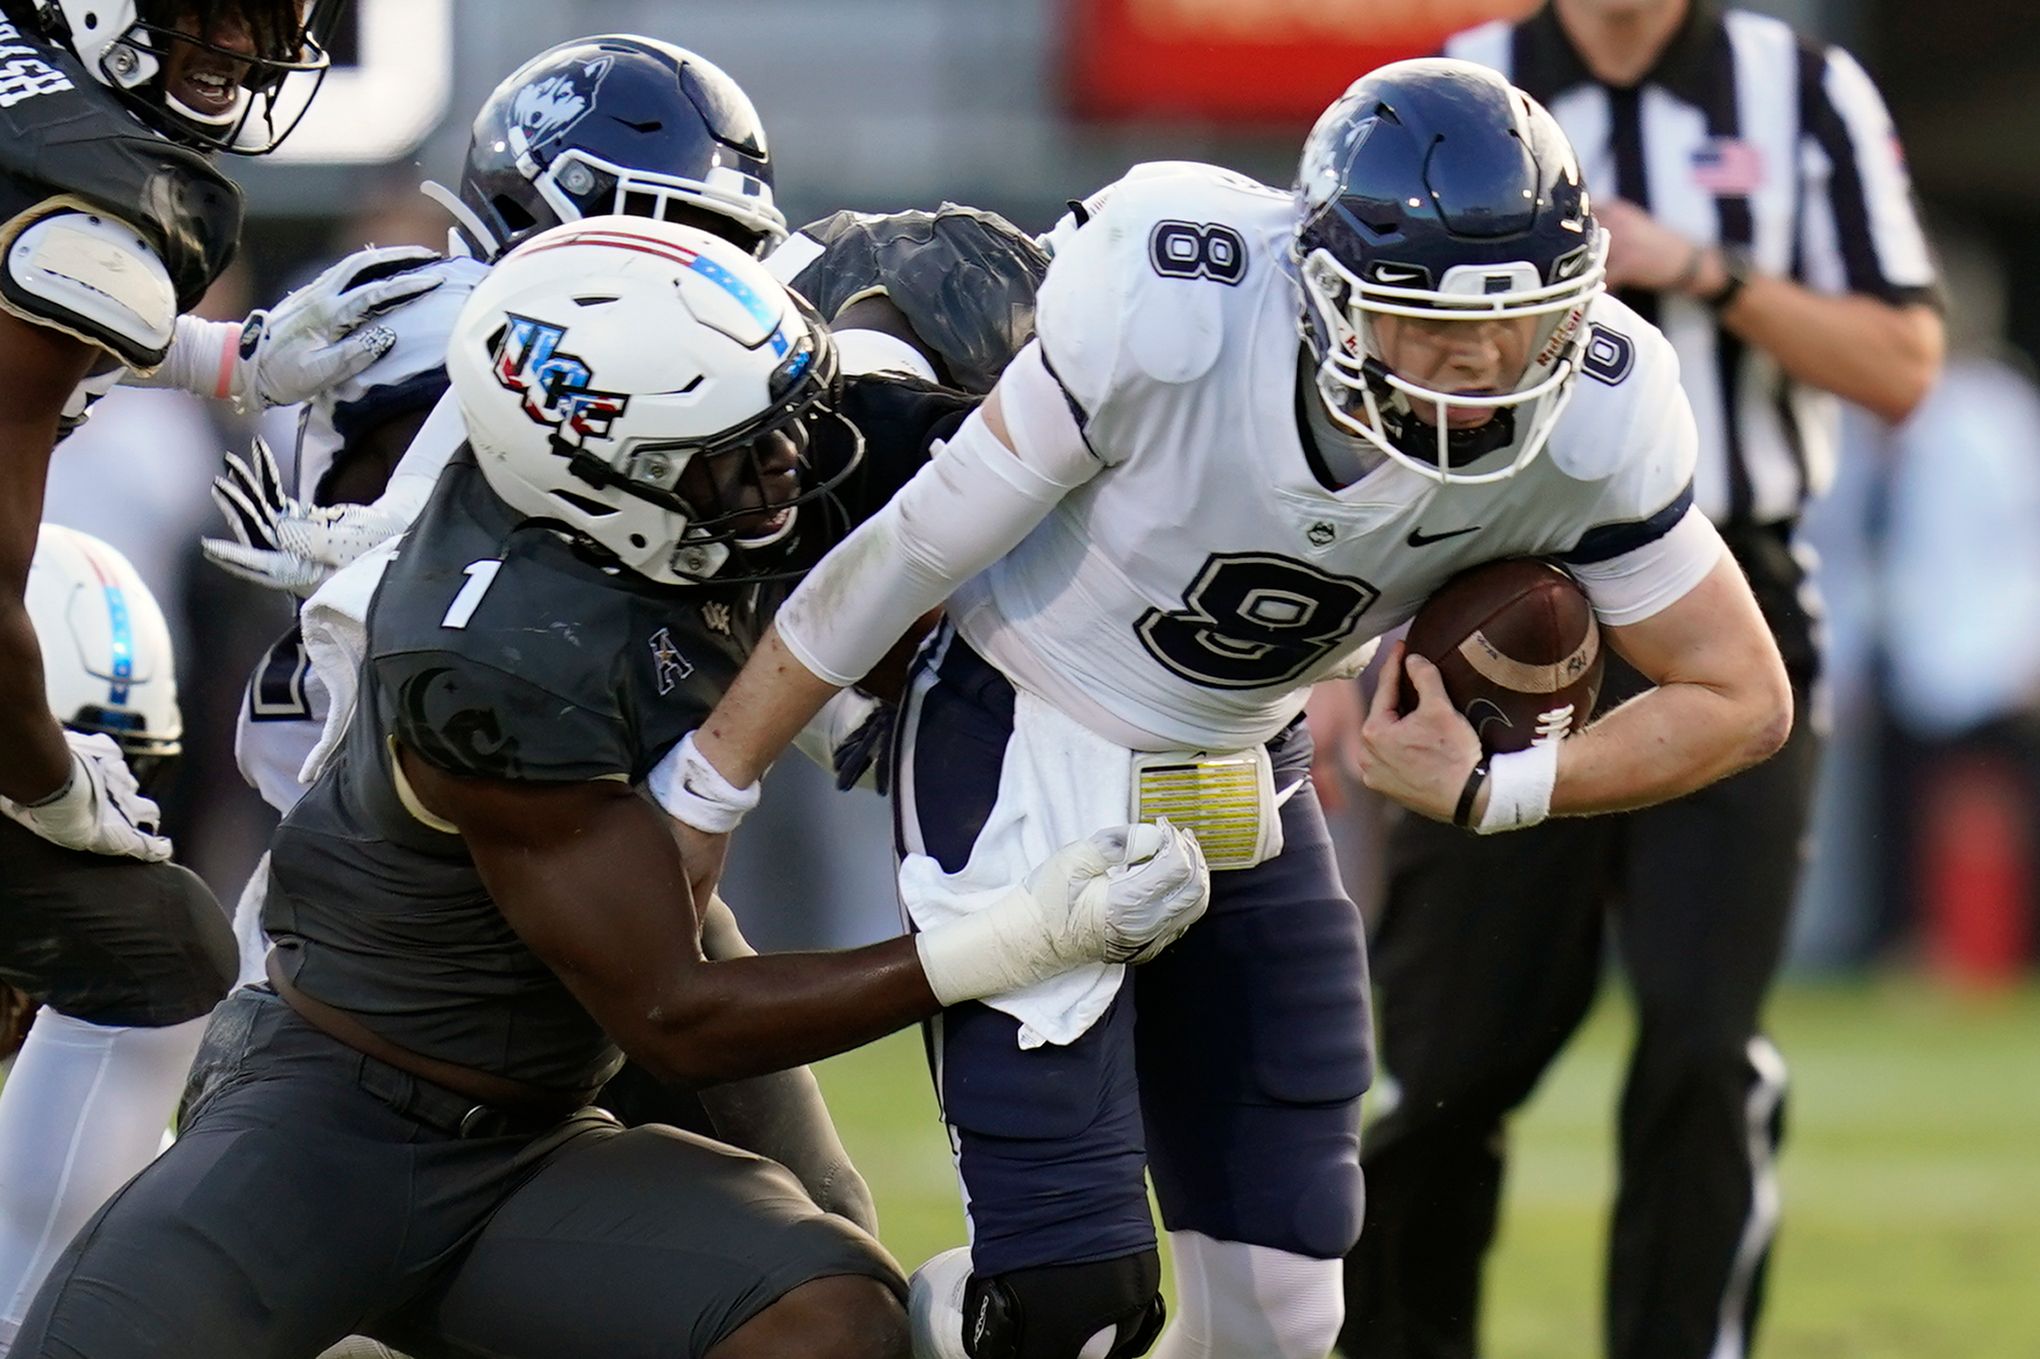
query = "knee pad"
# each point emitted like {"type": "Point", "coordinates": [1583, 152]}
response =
{"type": "Point", "coordinates": [1108, 1309]}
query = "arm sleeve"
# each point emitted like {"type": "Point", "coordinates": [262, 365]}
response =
{"type": "Point", "coordinates": [972, 503]}
{"type": "Point", "coordinates": [478, 721]}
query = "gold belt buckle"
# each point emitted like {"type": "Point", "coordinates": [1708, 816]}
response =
{"type": "Point", "coordinates": [1226, 799]}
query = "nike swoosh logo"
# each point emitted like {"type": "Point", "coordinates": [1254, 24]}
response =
{"type": "Point", "coordinates": [1419, 538]}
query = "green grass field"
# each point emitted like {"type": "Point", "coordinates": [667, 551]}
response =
{"type": "Point", "coordinates": [1911, 1178]}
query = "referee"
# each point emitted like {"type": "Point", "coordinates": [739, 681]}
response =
{"type": "Point", "coordinates": [1761, 216]}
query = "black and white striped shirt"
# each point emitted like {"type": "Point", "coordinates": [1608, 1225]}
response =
{"type": "Point", "coordinates": [1746, 135]}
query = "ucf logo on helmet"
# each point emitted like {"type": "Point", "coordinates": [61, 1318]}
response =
{"type": "Point", "coordinates": [554, 384]}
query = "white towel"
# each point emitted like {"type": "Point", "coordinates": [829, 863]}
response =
{"type": "Point", "coordinates": [335, 625]}
{"type": "Point", "coordinates": [1060, 782]}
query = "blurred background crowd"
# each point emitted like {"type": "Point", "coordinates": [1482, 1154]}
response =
{"type": "Point", "coordinates": [1925, 846]}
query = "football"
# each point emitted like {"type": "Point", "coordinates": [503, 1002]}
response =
{"type": "Point", "coordinates": [1518, 647]}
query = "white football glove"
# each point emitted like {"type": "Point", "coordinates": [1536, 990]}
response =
{"type": "Point", "coordinates": [101, 810]}
{"type": "Point", "coordinates": [1120, 896]}
{"type": "Point", "coordinates": [319, 335]}
{"type": "Point", "coordinates": [280, 543]}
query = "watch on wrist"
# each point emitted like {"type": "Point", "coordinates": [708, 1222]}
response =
{"type": "Point", "coordinates": [1736, 268]}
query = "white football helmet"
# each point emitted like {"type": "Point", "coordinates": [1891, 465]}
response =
{"type": "Point", "coordinates": [107, 660]}
{"type": "Point", "coordinates": [651, 388]}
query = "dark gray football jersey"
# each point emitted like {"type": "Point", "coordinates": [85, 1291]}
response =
{"type": "Point", "coordinates": [66, 140]}
{"type": "Point", "coordinates": [498, 649]}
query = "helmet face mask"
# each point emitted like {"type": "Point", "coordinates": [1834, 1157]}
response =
{"type": "Point", "coordinates": [694, 459]}
{"type": "Point", "coordinates": [617, 124]}
{"type": "Point", "coordinates": [1434, 196]}
{"type": "Point", "coordinates": [249, 49]}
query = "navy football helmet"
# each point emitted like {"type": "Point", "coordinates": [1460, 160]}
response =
{"type": "Point", "coordinates": [1436, 191]}
{"type": "Point", "coordinates": [122, 44]}
{"type": "Point", "coordinates": [616, 124]}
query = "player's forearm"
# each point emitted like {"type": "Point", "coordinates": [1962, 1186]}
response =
{"type": "Point", "coordinates": [764, 708]}
{"type": "Point", "coordinates": [36, 762]}
{"type": "Point", "coordinates": [746, 1016]}
{"type": "Point", "coordinates": [1883, 358]}
{"type": "Point", "coordinates": [1670, 741]}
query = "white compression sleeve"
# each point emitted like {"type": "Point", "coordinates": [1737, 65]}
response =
{"type": "Point", "coordinates": [83, 1112]}
{"type": "Point", "coordinates": [1236, 1301]}
{"type": "Point", "coordinates": [204, 359]}
{"type": "Point", "coordinates": [967, 508]}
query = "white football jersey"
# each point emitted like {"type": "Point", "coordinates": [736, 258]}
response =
{"type": "Point", "coordinates": [284, 708]}
{"type": "Point", "coordinates": [1188, 594]}
{"type": "Point", "coordinates": [417, 361]}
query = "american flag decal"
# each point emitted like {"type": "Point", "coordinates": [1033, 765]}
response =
{"type": "Point", "coordinates": [1728, 167]}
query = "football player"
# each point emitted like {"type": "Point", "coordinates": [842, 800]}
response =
{"type": "Point", "coordinates": [476, 896]}
{"type": "Point", "coordinates": [636, 126]}
{"type": "Point", "coordinates": [116, 223]}
{"type": "Point", "coordinates": [113, 223]}
{"type": "Point", "coordinates": [1254, 431]}
{"type": "Point", "coordinates": [125, 958]}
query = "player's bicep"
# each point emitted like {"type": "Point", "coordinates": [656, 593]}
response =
{"type": "Point", "coordinates": [585, 873]}
{"type": "Point", "coordinates": [43, 366]}
{"type": "Point", "coordinates": [1712, 635]}
{"type": "Point", "coordinates": [1036, 415]}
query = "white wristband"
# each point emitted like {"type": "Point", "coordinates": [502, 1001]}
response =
{"type": "Point", "coordinates": [694, 791]}
{"type": "Point", "coordinates": [1519, 788]}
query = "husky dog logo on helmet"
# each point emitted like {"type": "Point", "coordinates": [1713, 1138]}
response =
{"type": "Point", "coordinates": [554, 384]}
{"type": "Point", "coordinates": [544, 110]}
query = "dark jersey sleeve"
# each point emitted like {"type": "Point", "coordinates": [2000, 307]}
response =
{"type": "Point", "coordinates": [472, 719]}
{"type": "Point", "coordinates": [67, 142]}
{"type": "Point", "coordinates": [496, 653]}
{"type": "Point", "coordinates": [964, 279]}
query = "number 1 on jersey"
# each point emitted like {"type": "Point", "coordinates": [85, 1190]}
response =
{"type": "Point", "coordinates": [480, 576]}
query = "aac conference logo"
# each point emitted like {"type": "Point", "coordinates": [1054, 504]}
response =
{"type": "Point", "coordinates": [390, 95]}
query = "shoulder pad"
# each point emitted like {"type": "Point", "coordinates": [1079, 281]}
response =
{"type": "Point", "coordinates": [1154, 271]}
{"type": "Point", "coordinates": [94, 277]}
{"type": "Point", "coordinates": [964, 279]}
{"type": "Point", "coordinates": [65, 137]}
{"type": "Point", "coordinates": [1629, 424]}
{"type": "Point", "coordinates": [1083, 210]}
